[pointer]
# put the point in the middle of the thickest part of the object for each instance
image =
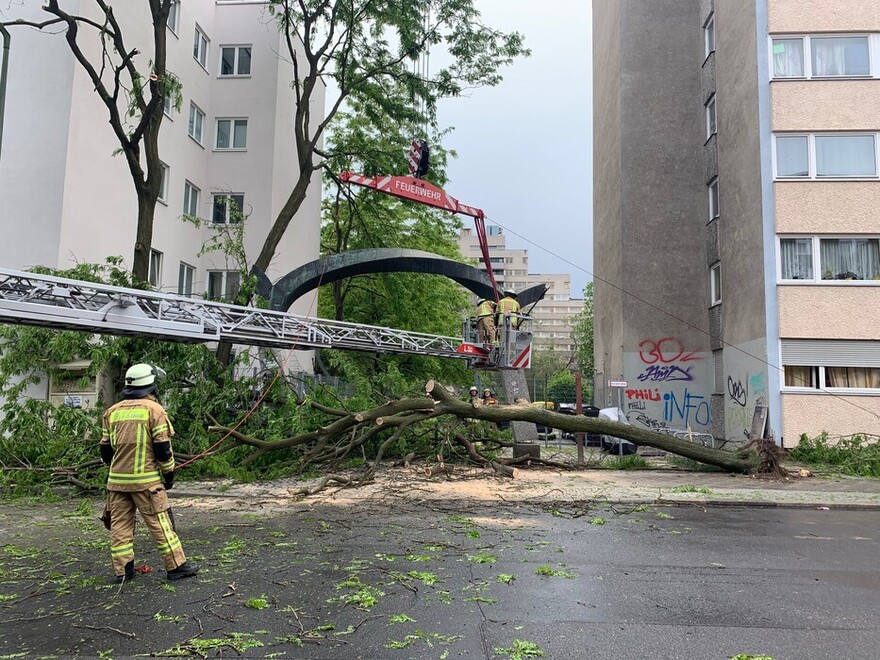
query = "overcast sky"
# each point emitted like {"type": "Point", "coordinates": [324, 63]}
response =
{"type": "Point", "coordinates": [524, 147]}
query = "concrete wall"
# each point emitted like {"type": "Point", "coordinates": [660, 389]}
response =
{"type": "Point", "coordinates": [819, 412]}
{"type": "Point", "coordinates": [823, 15]}
{"type": "Point", "coordinates": [36, 128]}
{"type": "Point", "coordinates": [825, 311]}
{"type": "Point", "coordinates": [741, 225]}
{"type": "Point", "coordinates": [650, 210]}
{"type": "Point", "coordinates": [607, 191]}
{"type": "Point", "coordinates": [811, 105]}
{"type": "Point", "coordinates": [827, 207]}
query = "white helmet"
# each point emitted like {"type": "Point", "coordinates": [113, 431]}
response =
{"type": "Point", "coordinates": [142, 375]}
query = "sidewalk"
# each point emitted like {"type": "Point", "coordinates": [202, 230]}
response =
{"type": "Point", "coordinates": [541, 485]}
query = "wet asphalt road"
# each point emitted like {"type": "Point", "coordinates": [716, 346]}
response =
{"type": "Point", "coordinates": [449, 580]}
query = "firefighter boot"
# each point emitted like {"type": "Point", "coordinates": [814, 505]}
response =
{"type": "Point", "coordinates": [185, 570]}
{"type": "Point", "coordinates": [129, 573]}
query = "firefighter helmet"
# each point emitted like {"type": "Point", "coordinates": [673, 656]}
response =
{"type": "Point", "coordinates": [510, 292]}
{"type": "Point", "coordinates": [142, 375]}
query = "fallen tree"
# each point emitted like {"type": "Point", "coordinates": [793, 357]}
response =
{"type": "Point", "coordinates": [348, 432]}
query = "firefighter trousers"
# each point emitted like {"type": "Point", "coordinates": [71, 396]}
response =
{"type": "Point", "coordinates": [486, 329]}
{"type": "Point", "coordinates": [153, 505]}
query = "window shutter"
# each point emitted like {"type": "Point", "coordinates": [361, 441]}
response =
{"type": "Point", "coordinates": [830, 353]}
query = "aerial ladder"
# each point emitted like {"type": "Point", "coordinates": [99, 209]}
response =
{"type": "Point", "coordinates": [55, 302]}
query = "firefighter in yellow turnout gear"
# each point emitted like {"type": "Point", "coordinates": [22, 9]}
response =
{"type": "Point", "coordinates": [506, 306]}
{"type": "Point", "coordinates": [486, 320]}
{"type": "Point", "coordinates": [136, 444]}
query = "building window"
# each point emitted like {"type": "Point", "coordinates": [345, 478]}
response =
{"type": "Point", "coordinates": [167, 106]}
{"type": "Point", "coordinates": [235, 60]}
{"type": "Point", "coordinates": [796, 258]}
{"type": "Point", "coordinates": [196, 122]}
{"type": "Point", "coordinates": [185, 276]}
{"type": "Point", "coordinates": [837, 156]}
{"type": "Point", "coordinates": [155, 274]}
{"type": "Point", "coordinates": [792, 156]}
{"type": "Point", "coordinates": [839, 56]}
{"type": "Point", "coordinates": [200, 48]}
{"type": "Point", "coordinates": [231, 134]}
{"type": "Point", "coordinates": [845, 156]}
{"type": "Point", "coordinates": [163, 183]}
{"type": "Point", "coordinates": [709, 35]}
{"type": "Point", "coordinates": [711, 118]}
{"type": "Point", "coordinates": [190, 200]}
{"type": "Point", "coordinates": [714, 208]}
{"type": "Point", "coordinates": [228, 208]}
{"type": "Point", "coordinates": [173, 16]}
{"type": "Point", "coordinates": [849, 258]}
{"type": "Point", "coordinates": [788, 58]}
{"type": "Point", "coordinates": [823, 259]}
{"type": "Point", "coordinates": [823, 56]}
{"type": "Point", "coordinates": [715, 283]}
{"type": "Point", "coordinates": [797, 376]}
{"type": "Point", "coordinates": [843, 378]}
{"type": "Point", "coordinates": [223, 284]}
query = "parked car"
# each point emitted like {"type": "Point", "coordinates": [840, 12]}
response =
{"type": "Point", "coordinates": [590, 439]}
{"type": "Point", "coordinates": [612, 445]}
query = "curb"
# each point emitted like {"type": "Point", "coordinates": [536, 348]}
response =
{"type": "Point", "coordinates": [721, 504]}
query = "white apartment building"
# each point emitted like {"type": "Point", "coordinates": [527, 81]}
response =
{"type": "Point", "coordinates": [552, 318]}
{"type": "Point", "coordinates": [64, 197]}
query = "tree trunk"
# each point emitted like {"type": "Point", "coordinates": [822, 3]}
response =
{"type": "Point", "coordinates": [144, 236]}
{"type": "Point", "coordinates": [741, 461]}
{"type": "Point", "coordinates": [285, 215]}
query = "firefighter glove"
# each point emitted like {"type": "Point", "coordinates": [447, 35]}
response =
{"type": "Point", "coordinates": [168, 478]}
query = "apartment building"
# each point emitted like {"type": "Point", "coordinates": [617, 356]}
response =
{"type": "Point", "coordinates": [737, 192]}
{"type": "Point", "coordinates": [64, 196]}
{"type": "Point", "coordinates": [553, 318]}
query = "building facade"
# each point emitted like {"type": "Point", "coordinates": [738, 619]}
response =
{"type": "Point", "coordinates": [553, 318]}
{"type": "Point", "coordinates": [69, 200]}
{"type": "Point", "coordinates": [736, 224]}
{"type": "Point", "coordinates": [228, 150]}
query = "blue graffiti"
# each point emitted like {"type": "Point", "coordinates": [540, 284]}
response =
{"type": "Point", "coordinates": [666, 373]}
{"type": "Point", "coordinates": [679, 410]}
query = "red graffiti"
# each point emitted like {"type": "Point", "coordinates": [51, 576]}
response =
{"type": "Point", "coordinates": [666, 350]}
{"type": "Point", "coordinates": [647, 395]}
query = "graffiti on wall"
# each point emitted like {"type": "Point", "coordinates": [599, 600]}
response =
{"type": "Point", "coordinates": [674, 396]}
{"type": "Point", "coordinates": [743, 394]}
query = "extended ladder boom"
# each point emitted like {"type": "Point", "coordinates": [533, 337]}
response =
{"type": "Point", "coordinates": [55, 302]}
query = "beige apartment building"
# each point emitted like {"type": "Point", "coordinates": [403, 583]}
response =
{"type": "Point", "coordinates": [65, 198]}
{"type": "Point", "coordinates": [737, 213]}
{"type": "Point", "coordinates": [553, 317]}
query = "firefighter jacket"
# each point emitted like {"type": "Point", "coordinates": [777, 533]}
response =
{"type": "Point", "coordinates": [139, 432]}
{"type": "Point", "coordinates": [508, 306]}
{"type": "Point", "coordinates": [486, 308]}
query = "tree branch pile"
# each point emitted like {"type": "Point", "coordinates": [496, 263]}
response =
{"type": "Point", "coordinates": [345, 433]}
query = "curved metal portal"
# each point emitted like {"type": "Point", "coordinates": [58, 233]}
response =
{"type": "Point", "coordinates": [307, 277]}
